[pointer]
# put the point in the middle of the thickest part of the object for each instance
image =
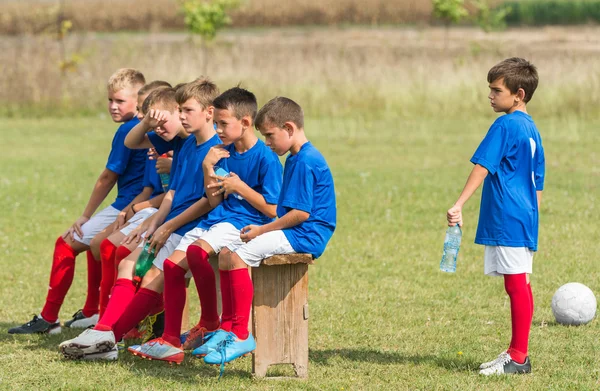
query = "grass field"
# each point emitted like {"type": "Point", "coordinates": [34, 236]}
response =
{"type": "Point", "coordinates": [382, 315]}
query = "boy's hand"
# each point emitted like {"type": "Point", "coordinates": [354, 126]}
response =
{"type": "Point", "coordinates": [136, 234]}
{"type": "Point", "coordinates": [152, 154]}
{"type": "Point", "coordinates": [226, 184]}
{"type": "Point", "coordinates": [159, 238]}
{"type": "Point", "coordinates": [249, 232]}
{"type": "Point", "coordinates": [156, 118]}
{"type": "Point", "coordinates": [121, 219]}
{"type": "Point", "coordinates": [215, 154]}
{"type": "Point", "coordinates": [454, 216]}
{"type": "Point", "coordinates": [163, 165]}
{"type": "Point", "coordinates": [76, 228]}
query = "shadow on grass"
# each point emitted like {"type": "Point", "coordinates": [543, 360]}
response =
{"type": "Point", "coordinates": [391, 357]}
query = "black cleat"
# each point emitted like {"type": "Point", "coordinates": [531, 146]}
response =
{"type": "Point", "coordinates": [37, 325]}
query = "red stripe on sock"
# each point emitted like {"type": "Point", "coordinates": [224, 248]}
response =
{"type": "Point", "coordinates": [520, 311]}
{"type": "Point", "coordinates": [122, 295]}
{"type": "Point", "coordinates": [141, 306]}
{"type": "Point", "coordinates": [242, 292]}
{"type": "Point", "coordinates": [61, 277]}
{"type": "Point", "coordinates": [204, 277]}
{"type": "Point", "coordinates": [109, 272]}
{"type": "Point", "coordinates": [174, 296]}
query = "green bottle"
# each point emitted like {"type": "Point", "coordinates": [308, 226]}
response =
{"type": "Point", "coordinates": [144, 262]}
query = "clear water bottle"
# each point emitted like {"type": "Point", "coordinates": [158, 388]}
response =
{"type": "Point", "coordinates": [164, 177]}
{"type": "Point", "coordinates": [451, 247]}
{"type": "Point", "coordinates": [143, 263]}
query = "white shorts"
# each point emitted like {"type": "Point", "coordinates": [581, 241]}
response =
{"type": "Point", "coordinates": [499, 260]}
{"type": "Point", "coordinates": [218, 236]}
{"type": "Point", "coordinates": [165, 251]}
{"type": "Point", "coordinates": [137, 219]}
{"type": "Point", "coordinates": [96, 224]}
{"type": "Point", "coordinates": [264, 246]}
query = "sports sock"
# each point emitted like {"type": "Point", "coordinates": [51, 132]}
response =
{"type": "Point", "coordinates": [204, 277]}
{"type": "Point", "coordinates": [107, 258]}
{"type": "Point", "coordinates": [531, 300]}
{"type": "Point", "coordinates": [520, 311]}
{"type": "Point", "coordinates": [242, 292]}
{"type": "Point", "coordinates": [226, 304]}
{"type": "Point", "coordinates": [122, 295]}
{"type": "Point", "coordinates": [174, 296]}
{"type": "Point", "coordinates": [94, 274]}
{"type": "Point", "coordinates": [142, 304]}
{"type": "Point", "coordinates": [122, 253]}
{"type": "Point", "coordinates": [61, 277]}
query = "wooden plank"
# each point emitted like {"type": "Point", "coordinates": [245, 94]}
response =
{"type": "Point", "coordinates": [288, 259]}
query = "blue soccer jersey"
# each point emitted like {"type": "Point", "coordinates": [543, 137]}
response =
{"type": "Point", "coordinates": [308, 186]}
{"type": "Point", "coordinates": [188, 179]}
{"type": "Point", "coordinates": [163, 146]}
{"type": "Point", "coordinates": [152, 179]}
{"type": "Point", "coordinates": [129, 164]}
{"type": "Point", "coordinates": [259, 168]}
{"type": "Point", "coordinates": [512, 152]}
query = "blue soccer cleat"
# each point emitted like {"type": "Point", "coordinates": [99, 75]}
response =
{"type": "Point", "coordinates": [229, 349]}
{"type": "Point", "coordinates": [211, 344]}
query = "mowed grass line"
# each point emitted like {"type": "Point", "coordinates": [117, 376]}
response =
{"type": "Point", "coordinates": [382, 315]}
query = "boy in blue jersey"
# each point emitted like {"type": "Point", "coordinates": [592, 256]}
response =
{"type": "Point", "coordinates": [510, 163]}
{"type": "Point", "coordinates": [307, 218]}
{"type": "Point", "coordinates": [181, 210]}
{"type": "Point", "coordinates": [125, 167]}
{"type": "Point", "coordinates": [247, 195]}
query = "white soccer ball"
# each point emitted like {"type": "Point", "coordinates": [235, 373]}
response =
{"type": "Point", "coordinates": [574, 304]}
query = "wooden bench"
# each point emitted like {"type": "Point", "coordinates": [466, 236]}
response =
{"type": "Point", "coordinates": [279, 316]}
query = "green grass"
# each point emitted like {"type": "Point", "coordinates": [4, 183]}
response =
{"type": "Point", "coordinates": [382, 315]}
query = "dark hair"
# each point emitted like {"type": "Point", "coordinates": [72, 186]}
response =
{"type": "Point", "coordinates": [239, 101]}
{"type": "Point", "coordinates": [517, 73]}
{"type": "Point", "coordinates": [162, 98]}
{"type": "Point", "coordinates": [202, 90]}
{"type": "Point", "coordinates": [278, 111]}
{"type": "Point", "coordinates": [148, 88]}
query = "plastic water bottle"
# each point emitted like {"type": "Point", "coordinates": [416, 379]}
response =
{"type": "Point", "coordinates": [164, 177]}
{"type": "Point", "coordinates": [143, 263]}
{"type": "Point", "coordinates": [451, 247]}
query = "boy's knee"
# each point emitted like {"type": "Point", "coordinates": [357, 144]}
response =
{"type": "Point", "coordinates": [224, 259]}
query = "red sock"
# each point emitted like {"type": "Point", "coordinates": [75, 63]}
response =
{"type": "Point", "coordinates": [109, 272]}
{"type": "Point", "coordinates": [122, 253]}
{"type": "Point", "coordinates": [141, 306]}
{"type": "Point", "coordinates": [242, 292]}
{"type": "Point", "coordinates": [531, 300]}
{"type": "Point", "coordinates": [204, 277]}
{"type": "Point", "coordinates": [61, 277]}
{"type": "Point", "coordinates": [174, 296]}
{"type": "Point", "coordinates": [94, 275]}
{"type": "Point", "coordinates": [122, 295]}
{"type": "Point", "coordinates": [226, 304]}
{"type": "Point", "coordinates": [520, 311]}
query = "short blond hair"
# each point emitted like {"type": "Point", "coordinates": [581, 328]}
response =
{"type": "Point", "coordinates": [162, 98]}
{"type": "Point", "coordinates": [278, 111]}
{"type": "Point", "coordinates": [126, 78]}
{"type": "Point", "coordinates": [148, 88]}
{"type": "Point", "coordinates": [203, 90]}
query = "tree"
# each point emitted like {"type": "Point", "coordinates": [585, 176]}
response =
{"type": "Point", "coordinates": [449, 11]}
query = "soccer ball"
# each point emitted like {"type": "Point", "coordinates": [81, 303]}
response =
{"type": "Point", "coordinates": [574, 304]}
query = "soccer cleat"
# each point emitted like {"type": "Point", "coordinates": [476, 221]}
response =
{"type": "Point", "coordinates": [90, 342]}
{"type": "Point", "coordinates": [159, 349]}
{"type": "Point", "coordinates": [195, 337]}
{"type": "Point", "coordinates": [507, 366]}
{"type": "Point", "coordinates": [37, 325]}
{"type": "Point", "coordinates": [80, 321]}
{"type": "Point", "coordinates": [229, 349]}
{"type": "Point", "coordinates": [152, 326]}
{"type": "Point", "coordinates": [132, 334]}
{"type": "Point", "coordinates": [500, 357]}
{"type": "Point", "coordinates": [211, 343]}
{"type": "Point", "coordinates": [111, 355]}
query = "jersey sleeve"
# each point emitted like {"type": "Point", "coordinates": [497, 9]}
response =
{"type": "Point", "coordinates": [492, 149]}
{"type": "Point", "coordinates": [540, 169]}
{"type": "Point", "coordinates": [159, 144]}
{"type": "Point", "coordinates": [299, 193]}
{"type": "Point", "coordinates": [119, 154]}
{"type": "Point", "coordinates": [271, 173]}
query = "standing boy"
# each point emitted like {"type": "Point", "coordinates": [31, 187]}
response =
{"type": "Point", "coordinates": [510, 163]}
{"type": "Point", "coordinates": [248, 195]}
{"type": "Point", "coordinates": [307, 219]}
{"type": "Point", "coordinates": [125, 167]}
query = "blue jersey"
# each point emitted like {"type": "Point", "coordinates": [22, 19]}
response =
{"type": "Point", "coordinates": [152, 179]}
{"type": "Point", "coordinates": [129, 164]}
{"type": "Point", "coordinates": [308, 186]}
{"type": "Point", "coordinates": [259, 168]}
{"type": "Point", "coordinates": [163, 146]}
{"type": "Point", "coordinates": [512, 152]}
{"type": "Point", "coordinates": [188, 180]}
